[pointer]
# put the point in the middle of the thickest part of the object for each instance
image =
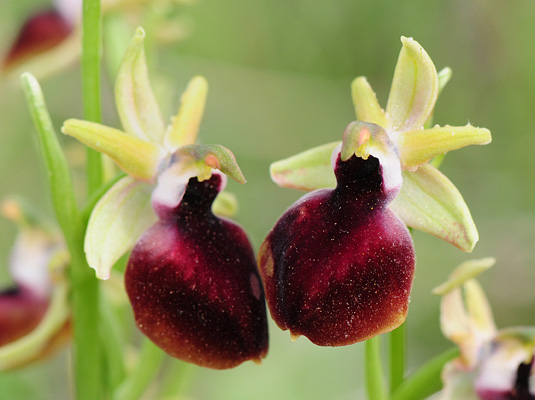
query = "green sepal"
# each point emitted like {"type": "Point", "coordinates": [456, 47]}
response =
{"type": "Point", "coordinates": [116, 223]}
{"type": "Point", "coordinates": [414, 88]}
{"type": "Point", "coordinates": [138, 158]}
{"type": "Point", "coordinates": [429, 202]}
{"type": "Point", "coordinates": [35, 345]}
{"type": "Point", "coordinates": [309, 170]}
{"type": "Point", "coordinates": [59, 175]}
{"type": "Point", "coordinates": [464, 272]}
{"type": "Point", "coordinates": [367, 107]}
{"type": "Point", "coordinates": [185, 125]}
{"type": "Point", "coordinates": [138, 110]}
{"type": "Point", "coordinates": [225, 204]}
{"type": "Point", "coordinates": [418, 147]}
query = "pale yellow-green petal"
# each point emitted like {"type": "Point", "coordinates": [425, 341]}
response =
{"type": "Point", "coordinates": [414, 88]}
{"type": "Point", "coordinates": [185, 125]}
{"type": "Point", "coordinates": [225, 204]}
{"type": "Point", "coordinates": [309, 170]}
{"type": "Point", "coordinates": [429, 202]}
{"type": "Point", "coordinates": [138, 110]}
{"type": "Point", "coordinates": [138, 158]}
{"type": "Point", "coordinates": [367, 107]}
{"type": "Point", "coordinates": [418, 147]}
{"type": "Point", "coordinates": [116, 223]}
{"type": "Point", "coordinates": [463, 273]}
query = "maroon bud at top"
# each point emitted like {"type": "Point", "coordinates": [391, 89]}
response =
{"type": "Point", "coordinates": [39, 33]}
{"type": "Point", "coordinates": [194, 286]}
{"type": "Point", "coordinates": [338, 265]}
{"type": "Point", "coordinates": [21, 310]}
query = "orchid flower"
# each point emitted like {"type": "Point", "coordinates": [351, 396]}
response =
{"type": "Point", "coordinates": [191, 278]}
{"type": "Point", "coordinates": [493, 364]}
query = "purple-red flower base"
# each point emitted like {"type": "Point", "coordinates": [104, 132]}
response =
{"type": "Point", "coordinates": [39, 33]}
{"type": "Point", "coordinates": [194, 285]}
{"type": "Point", "coordinates": [338, 265]}
{"type": "Point", "coordinates": [21, 310]}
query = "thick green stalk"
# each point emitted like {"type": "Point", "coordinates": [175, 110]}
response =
{"type": "Point", "coordinates": [91, 54]}
{"type": "Point", "coordinates": [426, 380]}
{"type": "Point", "coordinates": [375, 384]}
{"type": "Point", "coordinates": [146, 369]}
{"type": "Point", "coordinates": [397, 357]}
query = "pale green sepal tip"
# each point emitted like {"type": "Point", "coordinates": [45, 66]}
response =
{"type": "Point", "coordinates": [211, 155]}
{"type": "Point", "coordinates": [136, 157]}
{"type": "Point", "coordinates": [137, 106]}
{"type": "Point", "coordinates": [225, 204]}
{"type": "Point", "coordinates": [420, 146]}
{"type": "Point", "coordinates": [34, 345]}
{"type": "Point", "coordinates": [309, 170]}
{"type": "Point", "coordinates": [414, 88]}
{"type": "Point", "coordinates": [367, 107]}
{"type": "Point", "coordinates": [463, 273]}
{"type": "Point", "coordinates": [429, 202]}
{"type": "Point", "coordinates": [116, 223]}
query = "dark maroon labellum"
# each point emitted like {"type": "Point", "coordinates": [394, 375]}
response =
{"type": "Point", "coordinates": [21, 310]}
{"type": "Point", "coordinates": [39, 33]}
{"type": "Point", "coordinates": [338, 265]}
{"type": "Point", "coordinates": [194, 285]}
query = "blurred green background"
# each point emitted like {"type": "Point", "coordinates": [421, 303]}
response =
{"type": "Point", "coordinates": [279, 74]}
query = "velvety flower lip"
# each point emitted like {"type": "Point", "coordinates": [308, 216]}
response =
{"type": "Point", "coordinates": [493, 364]}
{"type": "Point", "coordinates": [191, 278]}
{"type": "Point", "coordinates": [427, 201]}
{"type": "Point", "coordinates": [338, 265]}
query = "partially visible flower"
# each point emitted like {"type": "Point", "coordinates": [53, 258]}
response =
{"type": "Point", "coordinates": [191, 278]}
{"type": "Point", "coordinates": [49, 40]}
{"type": "Point", "coordinates": [34, 318]}
{"type": "Point", "coordinates": [338, 265]}
{"type": "Point", "coordinates": [493, 364]}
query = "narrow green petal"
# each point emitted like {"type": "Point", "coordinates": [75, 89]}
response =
{"type": "Point", "coordinates": [138, 110]}
{"type": "Point", "coordinates": [463, 273]}
{"type": "Point", "coordinates": [136, 157]}
{"type": "Point", "coordinates": [479, 309]}
{"type": "Point", "coordinates": [116, 223]}
{"type": "Point", "coordinates": [185, 125]}
{"type": "Point", "coordinates": [225, 204]}
{"type": "Point", "coordinates": [367, 107]}
{"type": "Point", "coordinates": [418, 147]}
{"type": "Point", "coordinates": [429, 202]}
{"type": "Point", "coordinates": [414, 88]}
{"type": "Point", "coordinates": [309, 170]}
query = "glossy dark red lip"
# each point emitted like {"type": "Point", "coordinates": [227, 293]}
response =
{"type": "Point", "coordinates": [194, 286]}
{"type": "Point", "coordinates": [338, 265]}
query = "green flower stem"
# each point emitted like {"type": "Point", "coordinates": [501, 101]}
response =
{"type": "Point", "coordinates": [91, 53]}
{"type": "Point", "coordinates": [140, 378]}
{"type": "Point", "coordinates": [179, 377]}
{"type": "Point", "coordinates": [110, 339]}
{"type": "Point", "coordinates": [375, 384]}
{"type": "Point", "coordinates": [83, 284]}
{"type": "Point", "coordinates": [426, 380]}
{"type": "Point", "coordinates": [397, 357]}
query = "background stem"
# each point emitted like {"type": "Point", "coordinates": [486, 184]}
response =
{"type": "Point", "coordinates": [397, 357]}
{"type": "Point", "coordinates": [375, 384]}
